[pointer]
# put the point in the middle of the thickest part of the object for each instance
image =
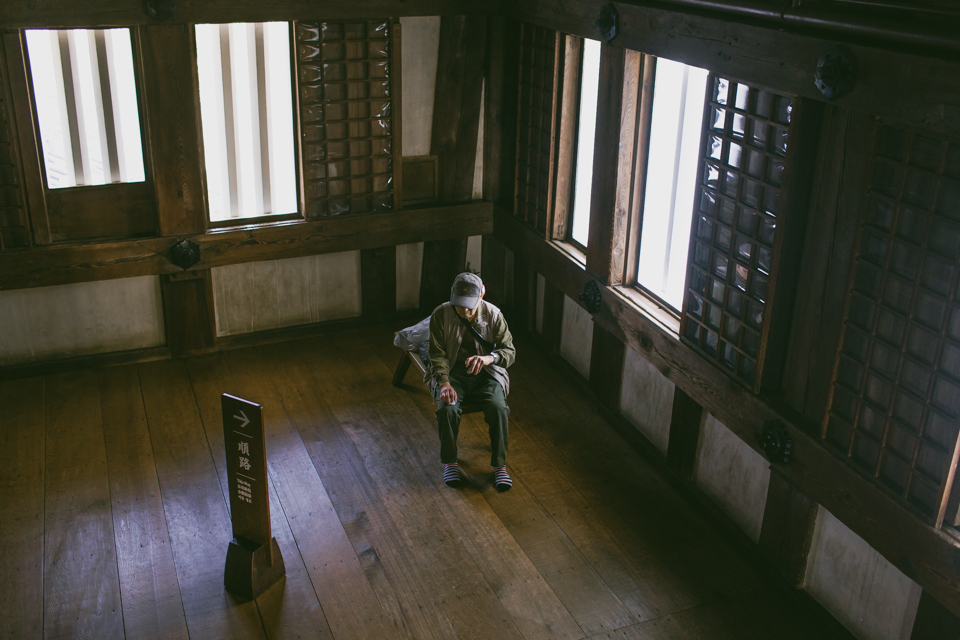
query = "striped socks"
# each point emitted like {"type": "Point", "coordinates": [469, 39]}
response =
{"type": "Point", "coordinates": [451, 474]}
{"type": "Point", "coordinates": [501, 479]}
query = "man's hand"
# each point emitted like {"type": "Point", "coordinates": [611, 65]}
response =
{"type": "Point", "coordinates": [447, 393]}
{"type": "Point", "coordinates": [476, 363]}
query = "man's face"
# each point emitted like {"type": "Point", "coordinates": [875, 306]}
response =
{"type": "Point", "coordinates": [469, 314]}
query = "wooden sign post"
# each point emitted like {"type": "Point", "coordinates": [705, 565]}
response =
{"type": "Point", "coordinates": [254, 562]}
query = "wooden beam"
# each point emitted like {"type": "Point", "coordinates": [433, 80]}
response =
{"type": "Point", "coordinates": [123, 13]}
{"type": "Point", "coordinates": [910, 88]}
{"type": "Point", "coordinates": [787, 531]}
{"type": "Point", "coordinates": [188, 313]}
{"type": "Point", "coordinates": [171, 109]}
{"type": "Point", "coordinates": [686, 426]}
{"type": "Point", "coordinates": [67, 264]}
{"type": "Point", "coordinates": [378, 281]}
{"type": "Point", "coordinates": [613, 160]}
{"type": "Point", "coordinates": [927, 555]}
{"type": "Point", "coordinates": [606, 367]}
{"type": "Point", "coordinates": [456, 106]}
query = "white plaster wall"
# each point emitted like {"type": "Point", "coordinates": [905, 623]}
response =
{"type": "Point", "coordinates": [409, 271]}
{"type": "Point", "coordinates": [576, 336]}
{"type": "Point", "coordinates": [870, 596]}
{"type": "Point", "coordinates": [646, 399]}
{"type": "Point", "coordinates": [474, 251]}
{"type": "Point", "coordinates": [733, 474]}
{"type": "Point", "coordinates": [541, 289]}
{"type": "Point", "coordinates": [420, 42]}
{"type": "Point", "coordinates": [280, 293]}
{"type": "Point", "coordinates": [80, 319]}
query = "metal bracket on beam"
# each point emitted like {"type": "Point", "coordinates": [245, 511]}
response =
{"type": "Point", "coordinates": [608, 23]}
{"type": "Point", "coordinates": [161, 10]}
{"type": "Point", "coordinates": [185, 254]}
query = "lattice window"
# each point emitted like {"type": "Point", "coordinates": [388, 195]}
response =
{"type": "Point", "coordinates": [13, 228]}
{"type": "Point", "coordinates": [536, 124]}
{"type": "Point", "coordinates": [732, 236]}
{"type": "Point", "coordinates": [346, 116]}
{"type": "Point", "coordinates": [895, 402]}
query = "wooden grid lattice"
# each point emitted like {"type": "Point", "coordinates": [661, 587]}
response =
{"type": "Point", "coordinates": [732, 236]}
{"type": "Point", "coordinates": [346, 116]}
{"type": "Point", "coordinates": [536, 124]}
{"type": "Point", "coordinates": [895, 403]}
{"type": "Point", "coordinates": [13, 226]}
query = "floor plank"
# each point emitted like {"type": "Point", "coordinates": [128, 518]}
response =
{"type": "Point", "coordinates": [391, 571]}
{"type": "Point", "coordinates": [466, 598]}
{"type": "Point", "coordinates": [197, 517]}
{"type": "Point", "coordinates": [534, 607]}
{"type": "Point", "coordinates": [310, 533]}
{"type": "Point", "coordinates": [81, 587]}
{"type": "Point", "coordinates": [149, 589]}
{"type": "Point", "coordinates": [592, 541]}
{"type": "Point", "coordinates": [21, 508]}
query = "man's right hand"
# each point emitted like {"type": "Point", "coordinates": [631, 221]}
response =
{"type": "Point", "coordinates": [447, 393]}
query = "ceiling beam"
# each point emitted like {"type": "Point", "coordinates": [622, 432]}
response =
{"type": "Point", "coordinates": [127, 13]}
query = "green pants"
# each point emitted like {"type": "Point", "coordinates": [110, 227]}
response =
{"type": "Point", "coordinates": [483, 389]}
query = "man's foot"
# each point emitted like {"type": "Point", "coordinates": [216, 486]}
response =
{"type": "Point", "coordinates": [451, 474]}
{"type": "Point", "coordinates": [501, 479]}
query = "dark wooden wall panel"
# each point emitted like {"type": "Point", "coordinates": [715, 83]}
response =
{"type": "Point", "coordinates": [378, 281]}
{"type": "Point", "coordinates": [606, 368]}
{"type": "Point", "coordinates": [837, 195]}
{"type": "Point", "coordinates": [787, 531]}
{"type": "Point", "coordinates": [686, 424]}
{"type": "Point", "coordinates": [188, 312]}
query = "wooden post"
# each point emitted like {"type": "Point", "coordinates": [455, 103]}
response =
{"type": "Point", "coordinates": [28, 135]}
{"type": "Point", "coordinates": [171, 109]}
{"type": "Point", "coordinates": [552, 316]}
{"type": "Point", "coordinates": [787, 531]}
{"type": "Point", "coordinates": [442, 261]}
{"type": "Point", "coordinates": [606, 367]}
{"type": "Point", "coordinates": [686, 425]}
{"type": "Point", "coordinates": [620, 78]}
{"type": "Point", "coordinates": [493, 259]}
{"type": "Point", "coordinates": [188, 313]}
{"type": "Point", "coordinates": [254, 561]}
{"type": "Point", "coordinates": [456, 107]}
{"type": "Point", "coordinates": [378, 281]}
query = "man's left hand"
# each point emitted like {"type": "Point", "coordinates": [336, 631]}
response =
{"type": "Point", "coordinates": [475, 363]}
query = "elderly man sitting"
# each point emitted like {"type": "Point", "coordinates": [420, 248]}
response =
{"type": "Point", "coordinates": [470, 350]}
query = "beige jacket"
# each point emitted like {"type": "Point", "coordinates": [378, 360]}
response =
{"type": "Point", "coordinates": [447, 333]}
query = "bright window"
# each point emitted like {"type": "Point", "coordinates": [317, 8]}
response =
{"type": "Point", "coordinates": [586, 132]}
{"type": "Point", "coordinates": [86, 101]}
{"type": "Point", "coordinates": [246, 110]}
{"type": "Point", "coordinates": [671, 184]}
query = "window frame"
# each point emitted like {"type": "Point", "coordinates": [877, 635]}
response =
{"type": "Point", "coordinates": [76, 213]}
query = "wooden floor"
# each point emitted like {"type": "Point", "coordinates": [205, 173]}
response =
{"type": "Point", "coordinates": [114, 522]}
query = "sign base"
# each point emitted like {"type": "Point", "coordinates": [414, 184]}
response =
{"type": "Point", "coordinates": [251, 569]}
